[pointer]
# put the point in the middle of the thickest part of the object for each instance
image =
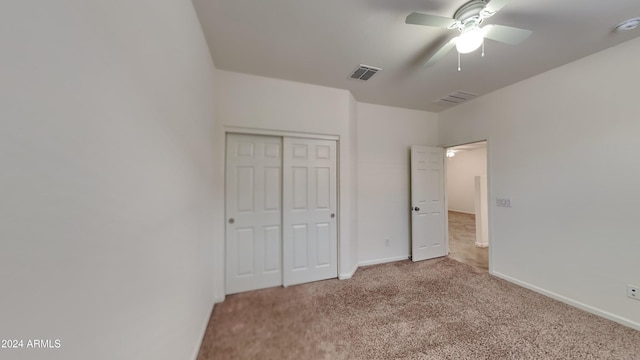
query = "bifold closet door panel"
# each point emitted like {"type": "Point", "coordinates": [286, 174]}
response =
{"type": "Point", "coordinates": [254, 212]}
{"type": "Point", "coordinates": [310, 238]}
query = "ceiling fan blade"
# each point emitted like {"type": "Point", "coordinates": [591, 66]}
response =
{"type": "Point", "coordinates": [442, 52]}
{"type": "Point", "coordinates": [506, 34]}
{"type": "Point", "coordinates": [416, 18]}
{"type": "Point", "coordinates": [495, 5]}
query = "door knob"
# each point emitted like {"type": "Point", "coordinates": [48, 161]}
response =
{"type": "Point", "coordinates": [333, 215]}
{"type": "Point", "coordinates": [231, 221]}
{"type": "Point", "coordinates": [416, 208]}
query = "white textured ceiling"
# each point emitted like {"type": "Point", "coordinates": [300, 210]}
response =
{"type": "Point", "coordinates": [322, 41]}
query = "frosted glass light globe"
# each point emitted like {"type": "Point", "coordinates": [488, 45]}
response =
{"type": "Point", "coordinates": [470, 40]}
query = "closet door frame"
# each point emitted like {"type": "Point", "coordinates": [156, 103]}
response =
{"type": "Point", "coordinates": [283, 134]}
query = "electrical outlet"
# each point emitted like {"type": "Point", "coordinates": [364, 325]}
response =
{"type": "Point", "coordinates": [503, 202]}
{"type": "Point", "coordinates": [386, 242]}
{"type": "Point", "coordinates": [633, 292]}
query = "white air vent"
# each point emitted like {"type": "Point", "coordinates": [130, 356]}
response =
{"type": "Point", "coordinates": [456, 98]}
{"type": "Point", "coordinates": [364, 72]}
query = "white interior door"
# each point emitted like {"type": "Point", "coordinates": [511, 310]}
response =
{"type": "Point", "coordinates": [427, 203]}
{"type": "Point", "coordinates": [253, 209]}
{"type": "Point", "coordinates": [310, 245]}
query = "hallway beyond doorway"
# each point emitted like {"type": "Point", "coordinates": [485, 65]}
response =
{"type": "Point", "coordinates": [462, 238]}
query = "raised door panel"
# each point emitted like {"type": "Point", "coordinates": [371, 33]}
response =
{"type": "Point", "coordinates": [427, 203]}
{"type": "Point", "coordinates": [309, 207]}
{"type": "Point", "coordinates": [254, 212]}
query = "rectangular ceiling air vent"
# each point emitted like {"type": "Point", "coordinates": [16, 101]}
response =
{"type": "Point", "coordinates": [364, 72]}
{"type": "Point", "coordinates": [455, 98]}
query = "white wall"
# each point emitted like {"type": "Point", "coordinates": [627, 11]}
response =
{"type": "Point", "coordinates": [563, 146]}
{"type": "Point", "coordinates": [461, 172]}
{"type": "Point", "coordinates": [256, 102]}
{"type": "Point", "coordinates": [106, 125]}
{"type": "Point", "coordinates": [385, 135]}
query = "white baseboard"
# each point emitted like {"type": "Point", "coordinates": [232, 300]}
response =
{"type": "Point", "coordinates": [382, 261]}
{"type": "Point", "coordinates": [203, 331]}
{"type": "Point", "coordinates": [218, 299]}
{"type": "Point", "coordinates": [568, 301]}
{"type": "Point", "coordinates": [482, 245]}
{"type": "Point", "coordinates": [348, 275]}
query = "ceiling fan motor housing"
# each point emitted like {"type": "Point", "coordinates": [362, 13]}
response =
{"type": "Point", "coordinates": [470, 11]}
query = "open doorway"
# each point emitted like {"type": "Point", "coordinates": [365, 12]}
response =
{"type": "Point", "coordinates": [467, 205]}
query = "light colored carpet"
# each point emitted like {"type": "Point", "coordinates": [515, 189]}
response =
{"type": "Point", "coordinates": [435, 309]}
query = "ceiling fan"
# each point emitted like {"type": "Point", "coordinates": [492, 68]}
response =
{"type": "Point", "coordinates": [467, 19]}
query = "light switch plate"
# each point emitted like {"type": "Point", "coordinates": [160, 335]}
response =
{"type": "Point", "coordinates": [503, 202]}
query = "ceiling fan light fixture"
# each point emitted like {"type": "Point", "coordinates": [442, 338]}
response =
{"type": "Point", "coordinates": [470, 40]}
{"type": "Point", "coordinates": [467, 20]}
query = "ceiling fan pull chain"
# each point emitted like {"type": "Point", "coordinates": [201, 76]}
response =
{"type": "Point", "coordinates": [459, 68]}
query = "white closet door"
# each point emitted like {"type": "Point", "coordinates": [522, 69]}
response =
{"type": "Point", "coordinates": [253, 209]}
{"type": "Point", "coordinates": [310, 239]}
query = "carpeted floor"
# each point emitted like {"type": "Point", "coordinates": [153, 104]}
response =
{"type": "Point", "coordinates": [435, 309]}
